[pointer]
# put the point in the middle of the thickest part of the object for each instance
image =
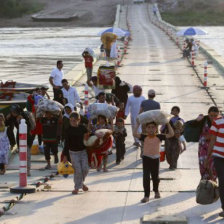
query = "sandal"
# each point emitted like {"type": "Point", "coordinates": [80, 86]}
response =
{"type": "Point", "coordinates": [75, 191]}
{"type": "Point", "coordinates": [144, 200]}
{"type": "Point", "coordinates": [85, 188]}
{"type": "Point", "coordinates": [157, 195]}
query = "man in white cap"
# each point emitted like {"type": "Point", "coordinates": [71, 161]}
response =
{"type": "Point", "coordinates": [150, 104]}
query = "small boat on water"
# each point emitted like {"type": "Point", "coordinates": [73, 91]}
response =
{"type": "Point", "coordinates": [12, 92]}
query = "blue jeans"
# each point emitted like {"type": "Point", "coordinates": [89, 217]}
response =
{"type": "Point", "coordinates": [219, 166]}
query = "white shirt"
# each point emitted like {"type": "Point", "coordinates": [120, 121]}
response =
{"type": "Point", "coordinates": [57, 76]}
{"type": "Point", "coordinates": [133, 105]}
{"type": "Point", "coordinates": [71, 95]}
{"type": "Point", "coordinates": [97, 90]}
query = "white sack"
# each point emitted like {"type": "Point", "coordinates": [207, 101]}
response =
{"type": "Point", "coordinates": [157, 116]}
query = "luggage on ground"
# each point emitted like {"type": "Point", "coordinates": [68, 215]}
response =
{"type": "Point", "coordinates": [207, 192]}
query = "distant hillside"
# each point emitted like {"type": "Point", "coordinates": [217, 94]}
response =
{"type": "Point", "coordinates": [17, 8]}
{"type": "Point", "coordinates": [192, 12]}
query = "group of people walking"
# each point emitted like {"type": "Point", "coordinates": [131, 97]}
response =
{"type": "Point", "coordinates": [73, 129]}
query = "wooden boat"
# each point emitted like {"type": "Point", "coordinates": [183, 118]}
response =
{"type": "Point", "coordinates": [12, 92]}
{"type": "Point", "coordinates": [11, 86]}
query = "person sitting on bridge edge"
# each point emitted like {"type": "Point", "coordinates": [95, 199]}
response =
{"type": "Point", "coordinates": [151, 156]}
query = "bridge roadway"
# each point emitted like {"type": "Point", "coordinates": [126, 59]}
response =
{"type": "Point", "coordinates": [153, 61]}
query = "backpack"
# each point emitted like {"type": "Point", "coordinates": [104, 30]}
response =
{"type": "Point", "coordinates": [207, 192]}
{"type": "Point", "coordinates": [191, 133]}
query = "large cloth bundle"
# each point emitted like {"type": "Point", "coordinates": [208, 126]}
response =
{"type": "Point", "coordinates": [98, 146]}
{"type": "Point", "coordinates": [45, 105]}
{"type": "Point", "coordinates": [96, 141]}
{"type": "Point", "coordinates": [90, 51]}
{"type": "Point", "coordinates": [207, 192]}
{"type": "Point", "coordinates": [104, 109]}
{"type": "Point", "coordinates": [157, 116]}
{"type": "Point", "coordinates": [108, 39]}
{"type": "Point", "coordinates": [106, 77]}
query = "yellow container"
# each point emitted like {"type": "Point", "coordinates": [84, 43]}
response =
{"type": "Point", "coordinates": [35, 148]}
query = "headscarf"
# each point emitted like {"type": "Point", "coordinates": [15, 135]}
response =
{"type": "Point", "coordinates": [71, 107]}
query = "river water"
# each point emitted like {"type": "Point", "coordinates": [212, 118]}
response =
{"type": "Point", "coordinates": [30, 54]}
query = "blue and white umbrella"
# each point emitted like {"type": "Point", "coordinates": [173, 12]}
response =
{"type": "Point", "coordinates": [191, 31]}
{"type": "Point", "coordinates": [119, 32]}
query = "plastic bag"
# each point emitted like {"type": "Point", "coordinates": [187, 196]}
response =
{"type": "Point", "coordinates": [104, 109]}
{"type": "Point", "coordinates": [48, 105]}
{"type": "Point", "coordinates": [105, 77]}
{"type": "Point", "coordinates": [65, 168]}
{"type": "Point", "coordinates": [157, 116]}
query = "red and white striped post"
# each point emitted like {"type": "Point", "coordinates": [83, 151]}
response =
{"type": "Point", "coordinates": [23, 187]}
{"type": "Point", "coordinates": [86, 101]}
{"type": "Point", "coordinates": [184, 45]}
{"type": "Point", "coordinates": [23, 154]}
{"type": "Point", "coordinates": [205, 74]}
{"type": "Point", "coordinates": [118, 60]}
{"type": "Point", "coordinates": [192, 57]}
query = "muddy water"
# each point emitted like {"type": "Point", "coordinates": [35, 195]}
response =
{"type": "Point", "coordinates": [29, 54]}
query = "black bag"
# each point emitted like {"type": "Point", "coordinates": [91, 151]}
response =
{"type": "Point", "coordinates": [191, 133]}
{"type": "Point", "coordinates": [207, 192]}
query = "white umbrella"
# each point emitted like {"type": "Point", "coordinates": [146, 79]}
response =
{"type": "Point", "coordinates": [119, 32]}
{"type": "Point", "coordinates": [191, 31]}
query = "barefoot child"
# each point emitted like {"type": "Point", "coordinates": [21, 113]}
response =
{"type": "Point", "coordinates": [4, 145]}
{"type": "Point", "coordinates": [151, 156]}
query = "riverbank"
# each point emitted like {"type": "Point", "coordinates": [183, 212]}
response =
{"type": "Point", "coordinates": [192, 12]}
{"type": "Point", "coordinates": [97, 13]}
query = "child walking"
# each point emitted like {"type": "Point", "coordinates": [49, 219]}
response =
{"type": "Point", "coordinates": [102, 123]}
{"type": "Point", "coordinates": [75, 147]}
{"type": "Point", "coordinates": [50, 137]}
{"type": "Point", "coordinates": [4, 145]}
{"type": "Point", "coordinates": [151, 156]}
{"type": "Point", "coordinates": [175, 146]}
{"type": "Point", "coordinates": [119, 134]}
{"type": "Point", "coordinates": [88, 64]}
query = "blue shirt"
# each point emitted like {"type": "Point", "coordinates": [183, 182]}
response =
{"type": "Point", "coordinates": [150, 104]}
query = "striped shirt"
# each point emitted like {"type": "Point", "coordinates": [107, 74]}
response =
{"type": "Point", "coordinates": [217, 129]}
